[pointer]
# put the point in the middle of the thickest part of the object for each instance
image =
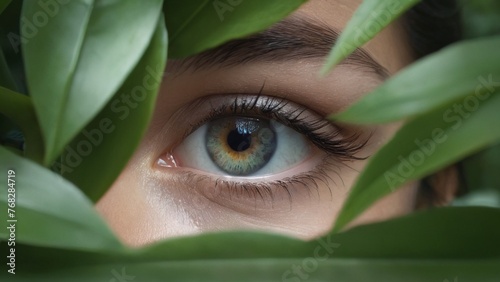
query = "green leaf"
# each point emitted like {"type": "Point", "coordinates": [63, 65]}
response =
{"type": "Point", "coordinates": [474, 65]}
{"type": "Point", "coordinates": [258, 270]}
{"type": "Point", "coordinates": [369, 19]}
{"type": "Point", "coordinates": [421, 147]}
{"type": "Point", "coordinates": [426, 246]}
{"type": "Point", "coordinates": [195, 25]}
{"type": "Point", "coordinates": [4, 4]}
{"type": "Point", "coordinates": [95, 151]}
{"type": "Point", "coordinates": [431, 234]}
{"type": "Point", "coordinates": [19, 109]}
{"type": "Point", "coordinates": [83, 45]}
{"type": "Point", "coordinates": [49, 210]}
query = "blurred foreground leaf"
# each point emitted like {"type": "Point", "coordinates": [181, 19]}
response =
{"type": "Point", "coordinates": [474, 66]}
{"type": "Point", "coordinates": [421, 147]}
{"type": "Point", "coordinates": [369, 19]}
{"type": "Point", "coordinates": [103, 148]}
{"type": "Point", "coordinates": [195, 25]}
{"type": "Point", "coordinates": [49, 210]}
{"type": "Point", "coordinates": [89, 56]}
{"type": "Point", "coordinates": [427, 246]}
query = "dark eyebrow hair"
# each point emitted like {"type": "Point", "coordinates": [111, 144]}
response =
{"type": "Point", "coordinates": [294, 38]}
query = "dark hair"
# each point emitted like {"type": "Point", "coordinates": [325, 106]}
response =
{"type": "Point", "coordinates": [432, 25]}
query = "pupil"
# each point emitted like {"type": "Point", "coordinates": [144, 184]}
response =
{"type": "Point", "coordinates": [238, 141]}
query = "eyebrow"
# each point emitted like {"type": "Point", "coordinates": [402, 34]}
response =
{"type": "Point", "coordinates": [292, 39]}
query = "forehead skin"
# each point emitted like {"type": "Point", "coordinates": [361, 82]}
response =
{"type": "Point", "coordinates": [390, 47]}
{"type": "Point", "coordinates": [133, 216]}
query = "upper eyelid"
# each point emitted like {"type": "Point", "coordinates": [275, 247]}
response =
{"type": "Point", "coordinates": [199, 107]}
{"type": "Point", "coordinates": [228, 109]}
{"type": "Point", "coordinates": [336, 140]}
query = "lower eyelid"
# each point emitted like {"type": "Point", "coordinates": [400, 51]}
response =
{"type": "Point", "coordinates": [243, 196]}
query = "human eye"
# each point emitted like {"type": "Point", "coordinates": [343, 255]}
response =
{"type": "Point", "coordinates": [257, 146]}
{"type": "Point", "coordinates": [243, 146]}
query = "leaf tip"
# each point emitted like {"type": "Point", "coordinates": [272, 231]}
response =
{"type": "Point", "coordinates": [328, 66]}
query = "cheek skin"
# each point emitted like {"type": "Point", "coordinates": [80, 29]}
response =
{"type": "Point", "coordinates": [126, 211]}
{"type": "Point", "coordinates": [151, 218]}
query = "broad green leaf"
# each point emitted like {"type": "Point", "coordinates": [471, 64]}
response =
{"type": "Point", "coordinates": [419, 247]}
{"type": "Point", "coordinates": [448, 75]}
{"type": "Point", "coordinates": [197, 25]}
{"type": "Point", "coordinates": [103, 148]}
{"type": "Point", "coordinates": [4, 4]}
{"type": "Point", "coordinates": [19, 109]}
{"type": "Point", "coordinates": [432, 234]}
{"type": "Point", "coordinates": [423, 146]}
{"type": "Point", "coordinates": [77, 55]}
{"type": "Point", "coordinates": [288, 270]}
{"type": "Point", "coordinates": [49, 210]}
{"type": "Point", "coordinates": [369, 19]}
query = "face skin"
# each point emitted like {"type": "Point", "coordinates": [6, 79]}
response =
{"type": "Point", "coordinates": [149, 202]}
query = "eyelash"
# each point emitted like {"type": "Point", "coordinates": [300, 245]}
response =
{"type": "Point", "coordinates": [264, 190]}
{"type": "Point", "coordinates": [322, 133]}
{"type": "Point", "coordinates": [344, 148]}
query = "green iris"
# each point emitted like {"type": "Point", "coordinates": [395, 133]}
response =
{"type": "Point", "coordinates": [240, 145]}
